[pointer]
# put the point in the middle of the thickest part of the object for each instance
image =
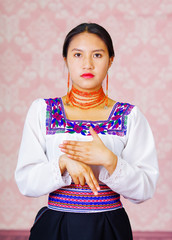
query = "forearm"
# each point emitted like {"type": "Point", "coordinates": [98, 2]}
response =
{"type": "Point", "coordinates": [110, 162]}
{"type": "Point", "coordinates": [62, 164]}
{"type": "Point", "coordinates": [135, 182]}
{"type": "Point", "coordinates": [40, 179]}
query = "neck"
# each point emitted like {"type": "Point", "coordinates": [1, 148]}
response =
{"type": "Point", "coordinates": [86, 100]}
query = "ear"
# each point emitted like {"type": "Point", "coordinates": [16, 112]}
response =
{"type": "Point", "coordinates": [65, 59]}
{"type": "Point", "coordinates": [111, 61]}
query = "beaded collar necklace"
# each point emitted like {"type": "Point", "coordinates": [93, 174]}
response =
{"type": "Point", "coordinates": [86, 100]}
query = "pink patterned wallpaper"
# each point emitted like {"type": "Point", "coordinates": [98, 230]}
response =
{"type": "Point", "coordinates": [31, 66]}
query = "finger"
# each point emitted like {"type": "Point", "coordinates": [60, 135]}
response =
{"type": "Point", "coordinates": [70, 147]}
{"type": "Point", "coordinates": [69, 152]}
{"type": "Point", "coordinates": [74, 155]}
{"type": "Point", "coordinates": [93, 133]}
{"type": "Point", "coordinates": [82, 180]}
{"type": "Point", "coordinates": [76, 158]}
{"type": "Point", "coordinates": [95, 181]}
{"type": "Point", "coordinates": [76, 144]}
{"type": "Point", "coordinates": [73, 143]}
{"type": "Point", "coordinates": [91, 184]}
{"type": "Point", "coordinates": [75, 180]}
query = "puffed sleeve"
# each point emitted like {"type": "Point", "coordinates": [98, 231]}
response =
{"type": "Point", "coordinates": [136, 174]}
{"type": "Point", "coordinates": [36, 175]}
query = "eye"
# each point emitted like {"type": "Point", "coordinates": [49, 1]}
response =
{"type": "Point", "coordinates": [97, 55]}
{"type": "Point", "coordinates": [77, 54]}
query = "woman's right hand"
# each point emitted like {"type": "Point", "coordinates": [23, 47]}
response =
{"type": "Point", "coordinates": [80, 172]}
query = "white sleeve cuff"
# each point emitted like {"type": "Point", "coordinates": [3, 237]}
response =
{"type": "Point", "coordinates": [112, 180]}
{"type": "Point", "coordinates": [61, 180]}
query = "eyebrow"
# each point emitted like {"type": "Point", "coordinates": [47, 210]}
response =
{"type": "Point", "coordinates": [96, 50]}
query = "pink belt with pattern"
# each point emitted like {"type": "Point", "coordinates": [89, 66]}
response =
{"type": "Point", "coordinates": [77, 198]}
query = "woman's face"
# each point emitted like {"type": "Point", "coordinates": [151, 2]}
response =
{"type": "Point", "coordinates": [87, 61]}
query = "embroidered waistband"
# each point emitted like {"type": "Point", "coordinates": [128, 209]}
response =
{"type": "Point", "coordinates": [77, 198]}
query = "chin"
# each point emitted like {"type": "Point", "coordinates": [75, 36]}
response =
{"type": "Point", "coordinates": [88, 86]}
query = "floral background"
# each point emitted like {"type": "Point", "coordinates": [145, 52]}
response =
{"type": "Point", "coordinates": [31, 66]}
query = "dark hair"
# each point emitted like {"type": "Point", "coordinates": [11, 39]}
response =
{"type": "Point", "coordinates": [90, 28]}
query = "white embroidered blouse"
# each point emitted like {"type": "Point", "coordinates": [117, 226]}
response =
{"type": "Point", "coordinates": [126, 133]}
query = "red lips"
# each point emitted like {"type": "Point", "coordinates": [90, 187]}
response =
{"type": "Point", "coordinates": [87, 75]}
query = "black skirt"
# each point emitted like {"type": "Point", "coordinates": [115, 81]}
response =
{"type": "Point", "coordinates": [55, 225]}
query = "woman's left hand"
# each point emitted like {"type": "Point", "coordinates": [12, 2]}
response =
{"type": "Point", "coordinates": [93, 152]}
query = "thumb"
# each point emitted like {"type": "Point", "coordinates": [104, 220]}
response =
{"type": "Point", "coordinates": [93, 133]}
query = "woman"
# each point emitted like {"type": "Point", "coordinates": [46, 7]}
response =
{"type": "Point", "coordinates": [85, 149]}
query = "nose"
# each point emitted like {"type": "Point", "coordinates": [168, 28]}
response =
{"type": "Point", "coordinates": [88, 63]}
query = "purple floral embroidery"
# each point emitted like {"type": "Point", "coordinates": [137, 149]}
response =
{"type": "Point", "coordinates": [98, 129]}
{"type": "Point", "coordinates": [57, 122]}
{"type": "Point", "coordinates": [72, 127]}
{"type": "Point", "coordinates": [77, 128]}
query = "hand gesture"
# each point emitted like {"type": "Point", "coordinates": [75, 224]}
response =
{"type": "Point", "coordinates": [79, 172]}
{"type": "Point", "coordinates": [92, 153]}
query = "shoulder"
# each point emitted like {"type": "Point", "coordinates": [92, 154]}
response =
{"type": "Point", "coordinates": [52, 101]}
{"type": "Point", "coordinates": [40, 105]}
{"type": "Point", "coordinates": [136, 119]}
{"type": "Point", "coordinates": [133, 111]}
{"type": "Point", "coordinates": [131, 114]}
{"type": "Point", "coordinates": [131, 118]}
{"type": "Point", "coordinates": [42, 102]}
{"type": "Point", "coordinates": [53, 105]}
{"type": "Point", "coordinates": [128, 109]}
{"type": "Point", "coordinates": [121, 108]}
{"type": "Point", "coordinates": [37, 104]}
{"type": "Point", "coordinates": [35, 108]}
{"type": "Point", "coordinates": [124, 108]}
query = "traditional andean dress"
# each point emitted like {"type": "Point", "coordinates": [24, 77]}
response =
{"type": "Point", "coordinates": [73, 211]}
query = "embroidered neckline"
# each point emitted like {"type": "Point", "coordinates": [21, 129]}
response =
{"type": "Point", "coordinates": [99, 121]}
{"type": "Point", "coordinates": [57, 122]}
